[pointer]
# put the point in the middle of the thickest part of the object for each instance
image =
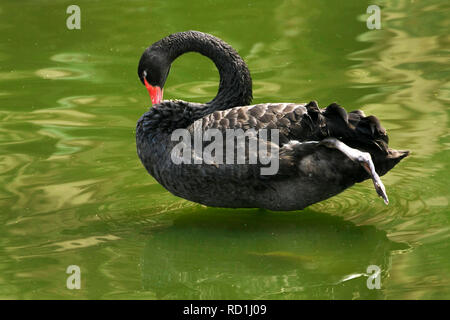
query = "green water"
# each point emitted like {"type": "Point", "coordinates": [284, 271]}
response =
{"type": "Point", "coordinates": [73, 192]}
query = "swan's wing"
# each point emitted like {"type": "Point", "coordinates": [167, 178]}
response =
{"type": "Point", "coordinates": [244, 142]}
{"type": "Point", "coordinates": [293, 121]}
{"type": "Point", "coordinates": [304, 122]}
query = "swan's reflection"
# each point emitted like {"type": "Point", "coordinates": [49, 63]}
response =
{"type": "Point", "coordinates": [264, 255]}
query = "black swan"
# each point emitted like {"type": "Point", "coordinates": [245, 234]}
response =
{"type": "Point", "coordinates": [319, 152]}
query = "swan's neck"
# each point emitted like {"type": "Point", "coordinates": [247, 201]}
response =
{"type": "Point", "coordinates": [235, 88]}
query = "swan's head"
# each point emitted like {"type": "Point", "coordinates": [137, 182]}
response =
{"type": "Point", "coordinates": [152, 71]}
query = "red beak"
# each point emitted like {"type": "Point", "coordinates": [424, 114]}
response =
{"type": "Point", "coordinates": [156, 93]}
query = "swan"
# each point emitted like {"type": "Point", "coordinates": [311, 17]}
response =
{"type": "Point", "coordinates": [319, 152]}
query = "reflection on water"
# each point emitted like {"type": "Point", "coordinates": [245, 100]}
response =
{"type": "Point", "coordinates": [264, 256]}
{"type": "Point", "coordinates": [72, 190]}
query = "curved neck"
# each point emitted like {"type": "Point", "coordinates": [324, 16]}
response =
{"type": "Point", "coordinates": [235, 88]}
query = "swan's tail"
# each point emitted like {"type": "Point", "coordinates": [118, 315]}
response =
{"type": "Point", "coordinates": [364, 133]}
